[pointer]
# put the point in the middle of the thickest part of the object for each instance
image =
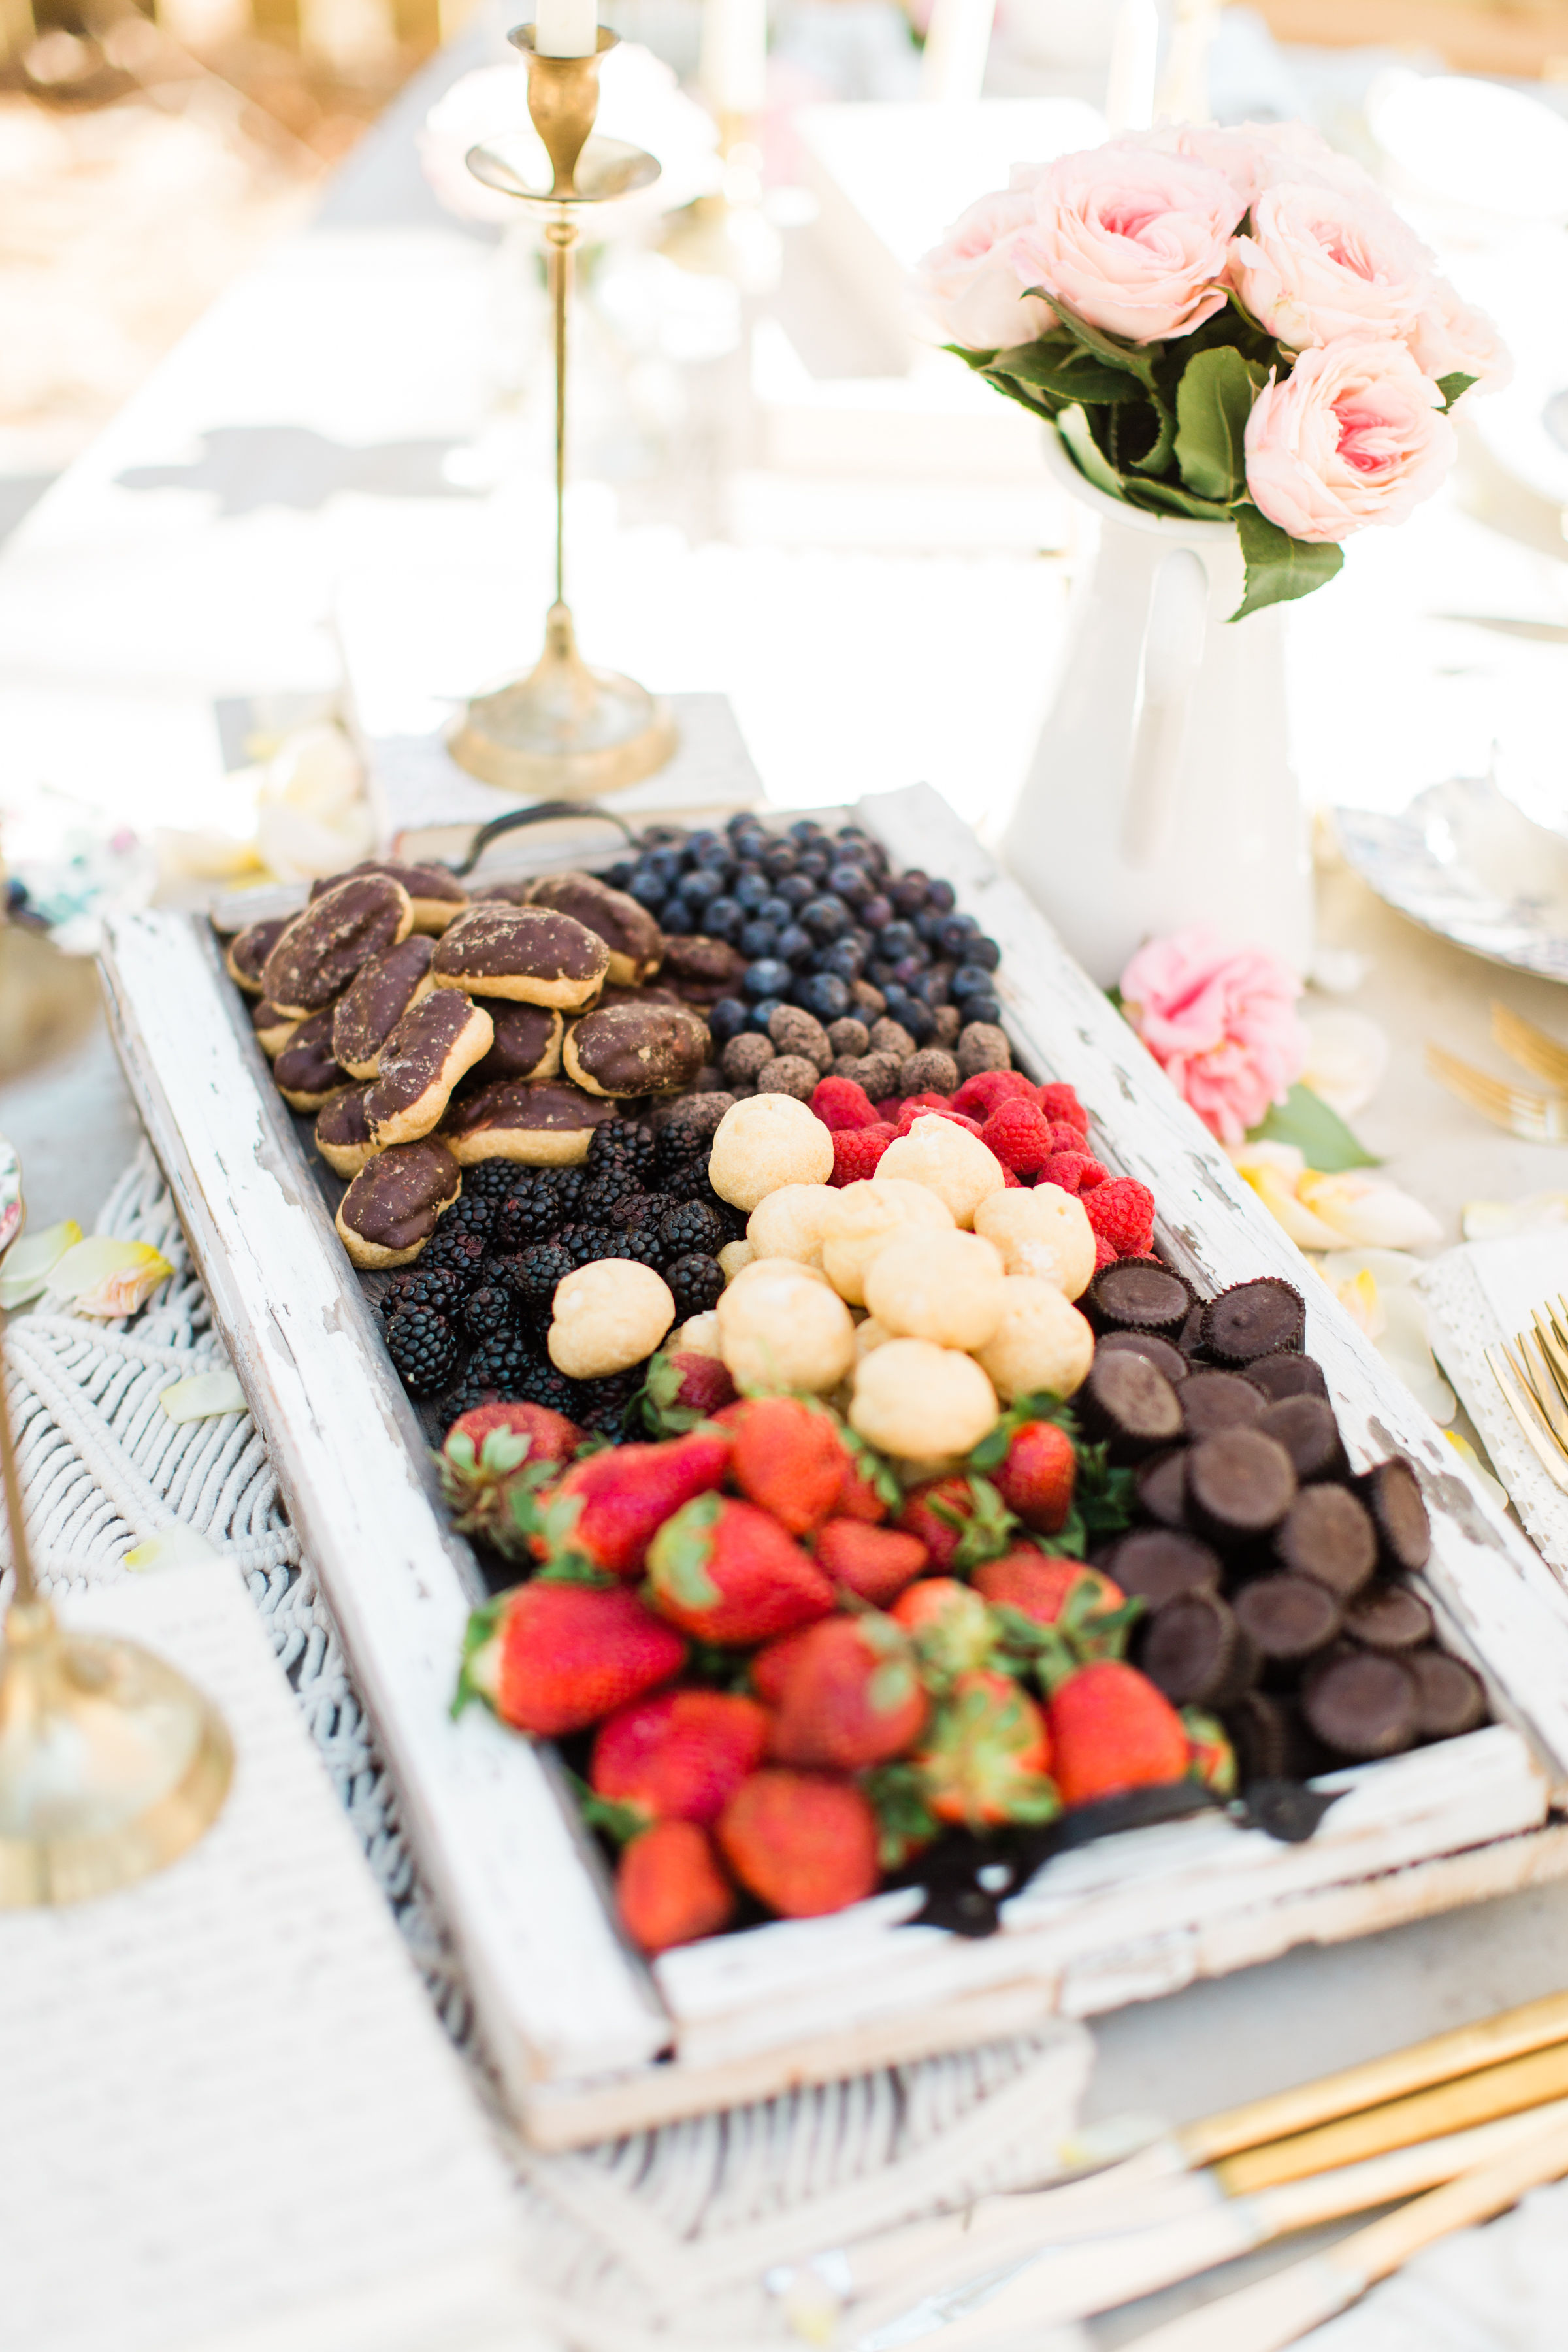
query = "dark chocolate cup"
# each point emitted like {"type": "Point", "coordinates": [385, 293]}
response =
{"type": "Point", "coordinates": [1164, 1357]}
{"type": "Point", "coordinates": [1196, 1653]}
{"type": "Point", "coordinates": [1136, 1294]}
{"type": "Point", "coordinates": [1239, 1486]}
{"type": "Point", "coordinates": [1288, 1374]}
{"type": "Point", "coordinates": [1361, 1706]}
{"type": "Point", "coordinates": [1128, 1403]}
{"type": "Point", "coordinates": [1190, 1338]}
{"type": "Point", "coordinates": [1161, 1486]}
{"type": "Point", "coordinates": [1450, 1697]}
{"type": "Point", "coordinates": [1328, 1534]}
{"type": "Point", "coordinates": [1306, 1428]}
{"type": "Point", "coordinates": [1254, 1319]}
{"type": "Point", "coordinates": [1212, 1400]}
{"type": "Point", "coordinates": [1389, 1617]}
{"type": "Point", "coordinates": [1159, 1565]}
{"type": "Point", "coordinates": [1290, 1620]}
{"type": "Point", "coordinates": [1271, 1739]}
{"type": "Point", "coordinates": [1392, 1493]}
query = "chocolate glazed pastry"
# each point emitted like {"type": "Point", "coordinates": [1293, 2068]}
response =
{"type": "Point", "coordinates": [342, 1132]}
{"type": "Point", "coordinates": [421, 1062]}
{"type": "Point", "coordinates": [436, 895]}
{"type": "Point", "coordinates": [1239, 1484]}
{"type": "Point", "coordinates": [1195, 1652]}
{"type": "Point", "coordinates": [1393, 1495]}
{"type": "Point", "coordinates": [542, 1125]}
{"type": "Point", "coordinates": [1449, 1698]}
{"type": "Point", "coordinates": [390, 1211]}
{"type": "Point", "coordinates": [637, 1049]}
{"type": "Point", "coordinates": [1306, 1428]}
{"type": "Point", "coordinates": [700, 971]}
{"type": "Point", "coordinates": [248, 950]}
{"type": "Point", "coordinates": [524, 952]}
{"type": "Point", "coordinates": [1291, 1619]}
{"type": "Point", "coordinates": [1211, 1402]}
{"type": "Point", "coordinates": [1136, 1295]}
{"type": "Point", "coordinates": [306, 1070]}
{"type": "Point", "coordinates": [273, 1029]}
{"type": "Point", "coordinates": [1327, 1535]}
{"type": "Point", "coordinates": [1288, 1375]}
{"type": "Point", "coordinates": [1389, 1617]}
{"type": "Point", "coordinates": [1361, 1706]}
{"type": "Point", "coordinates": [1126, 1400]}
{"type": "Point", "coordinates": [527, 1042]}
{"type": "Point", "coordinates": [376, 999]}
{"type": "Point", "coordinates": [322, 949]}
{"type": "Point", "coordinates": [1159, 1565]}
{"type": "Point", "coordinates": [1253, 1319]}
{"type": "Point", "coordinates": [1164, 1357]}
{"type": "Point", "coordinates": [633, 938]}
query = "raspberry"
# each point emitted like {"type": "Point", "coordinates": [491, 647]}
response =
{"type": "Point", "coordinates": [841, 1103]}
{"type": "Point", "coordinates": [1075, 1171]}
{"type": "Point", "coordinates": [1020, 1135]}
{"type": "Point", "coordinates": [1104, 1255]}
{"type": "Point", "coordinates": [926, 1100]}
{"type": "Point", "coordinates": [978, 1096]}
{"type": "Point", "coordinates": [889, 1109]}
{"type": "Point", "coordinates": [922, 1107]}
{"type": "Point", "coordinates": [1062, 1102]}
{"type": "Point", "coordinates": [1065, 1137]}
{"type": "Point", "coordinates": [1011, 1182]}
{"type": "Point", "coordinates": [1121, 1211]}
{"type": "Point", "coordinates": [856, 1150]}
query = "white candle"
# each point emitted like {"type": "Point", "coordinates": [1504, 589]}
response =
{"type": "Point", "coordinates": [1134, 57]}
{"type": "Point", "coordinates": [566, 28]}
{"type": "Point", "coordinates": [958, 41]}
{"type": "Point", "coordinates": [734, 61]}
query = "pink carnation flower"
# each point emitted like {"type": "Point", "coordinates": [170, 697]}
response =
{"type": "Point", "coordinates": [1221, 1022]}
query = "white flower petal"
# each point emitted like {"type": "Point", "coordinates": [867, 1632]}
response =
{"type": "Point", "coordinates": [1390, 1269]}
{"type": "Point", "coordinates": [1370, 1211]}
{"type": "Point", "coordinates": [1404, 1348]}
{"type": "Point", "coordinates": [1274, 1188]}
{"type": "Point", "coordinates": [1346, 1058]}
{"type": "Point", "coordinates": [1288, 1157]}
{"type": "Point", "coordinates": [109, 1278]}
{"type": "Point", "coordinates": [30, 1262]}
{"type": "Point", "coordinates": [1489, 1221]}
{"type": "Point", "coordinates": [203, 1396]}
{"type": "Point", "coordinates": [174, 1547]}
{"type": "Point", "coordinates": [1362, 1302]}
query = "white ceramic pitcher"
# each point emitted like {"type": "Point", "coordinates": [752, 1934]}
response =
{"type": "Point", "coordinates": [1160, 792]}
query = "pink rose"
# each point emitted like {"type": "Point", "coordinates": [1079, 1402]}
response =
{"type": "Point", "coordinates": [1354, 434]}
{"type": "Point", "coordinates": [1451, 338]}
{"type": "Point", "coordinates": [1131, 239]}
{"type": "Point", "coordinates": [973, 284]}
{"type": "Point", "coordinates": [1323, 261]}
{"type": "Point", "coordinates": [1221, 1022]}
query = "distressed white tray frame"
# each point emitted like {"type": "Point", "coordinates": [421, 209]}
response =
{"type": "Point", "coordinates": [590, 2041]}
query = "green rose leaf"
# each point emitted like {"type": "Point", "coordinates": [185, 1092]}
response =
{"type": "Point", "coordinates": [1320, 1134]}
{"type": "Point", "coordinates": [1086, 452]}
{"type": "Point", "coordinates": [1277, 566]}
{"type": "Point", "coordinates": [1454, 387]}
{"type": "Point", "coordinates": [1139, 360]}
{"type": "Point", "coordinates": [1214, 400]}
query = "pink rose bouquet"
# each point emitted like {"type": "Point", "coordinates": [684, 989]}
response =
{"type": "Point", "coordinates": [1225, 325]}
{"type": "Point", "coordinates": [1221, 1022]}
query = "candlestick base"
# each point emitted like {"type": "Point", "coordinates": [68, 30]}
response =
{"type": "Point", "coordinates": [728, 235]}
{"type": "Point", "coordinates": [565, 731]}
{"type": "Point", "coordinates": [111, 1764]}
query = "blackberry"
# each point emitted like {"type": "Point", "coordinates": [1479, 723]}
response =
{"type": "Point", "coordinates": [622, 1143]}
{"type": "Point", "coordinates": [587, 1243]}
{"type": "Point", "coordinates": [504, 1363]}
{"type": "Point", "coordinates": [634, 1209]}
{"type": "Point", "coordinates": [601, 1405]}
{"type": "Point", "coordinates": [531, 1210]}
{"type": "Point", "coordinates": [538, 1382]}
{"type": "Point", "coordinates": [696, 1282]}
{"type": "Point", "coordinates": [440, 1287]}
{"type": "Point", "coordinates": [640, 1242]}
{"type": "Point", "coordinates": [690, 1226]}
{"type": "Point", "coordinates": [491, 1307]}
{"type": "Point", "coordinates": [490, 1179]}
{"type": "Point", "coordinates": [599, 1195]}
{"type": "Point", "coordinates": [457, 1247]}
{"type": "Point", "coordinates": [473, 1212]}
{"type": "Point", "coordinates": [569, 1186]}
{"type": "Point", "coordinates": [424, 1347]}
{"type": "Point", "coordinates": [678, 1146]}
{"type": "Point", "coordinates": [537, 1270]}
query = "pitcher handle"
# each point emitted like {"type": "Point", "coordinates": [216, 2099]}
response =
{"type": "Point", "coordinates": [1173, 637]}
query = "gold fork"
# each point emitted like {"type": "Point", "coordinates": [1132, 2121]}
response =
{"type": "Point", "coordinates": [1531, 1047]}
{"type": "Point", "coordinates": [1534, 1118]}
{"type": "Point", "coordinates": [1532, 1374]}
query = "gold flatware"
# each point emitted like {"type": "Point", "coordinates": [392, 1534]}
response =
{"type": "Point", "coordinates": [1534, 1118]}
{"type": "Point", "coordinates": [1519, 1399]}
{"type": "Point", "coordinates": [1531, 1047]}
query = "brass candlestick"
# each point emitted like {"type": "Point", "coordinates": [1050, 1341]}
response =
{"type": "Point", "coordinates": [565, 731]}
{"type": "Point", "coordinates": [727, 234]}
{"type": "Point", "coordinates": [111, 1764]}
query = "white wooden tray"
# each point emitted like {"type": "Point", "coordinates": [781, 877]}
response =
{"type": "Point", "coordinates": [590, 2041]}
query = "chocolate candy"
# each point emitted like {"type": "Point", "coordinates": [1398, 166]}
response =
{"type": "Point", "coordinates": [1392, 1495]}
{"type": "Point", "coordinates": [1239, 1484]}
{"type": "Point", "coordinates": [1253, 1319]}
{"type": "Point", "coordinates": [322, 949]}
{"type": "Point", "coordinates": [543, 1124]}
{"type": "Point", "coordinates": [635, 940]}
{"type": "Point", "coordinates": [1328, 1535]}
{"type": "Point", "coordinates": [637, 1049]}
{"type": "Point", "coordinates": [376, 1000]}
{"type": "Point", "coordinates": [1161, 1485]}
{"type": "Point", "coordinates": [1361, 1706]}
{"type": "Point", "coordinates": [1190, 1338]}
{"type": "Point", "coordinates": [1159, 1565]}
{"type": "Point", "coordinates": [390, 1211]}
{"type": "Point", "coordinates": [527, 1042]}
{"type": "Point", "coordinates": [342, 1132]}
{"type": "Point", "coordinates": [1449, 1698]}
{"type": "Point", "coordinates": [1196, 1653]}
{"type": "Point", "coordinates": [1288, 1374]}
{"type": "Point", "coordinates": [1389, 1617]}
{"type": "Point", "coordinates": [525, 952]}
{"type": "Point", "coordinates": [1215, 1400]}
{"type": "Point", "coordinates": [273, 1029]}
{"type": "Point", "coordinates": [248, 950]}
{"type": "Point", "coordinates": [436, 894]}
{"type": "Point", "coordinates": [1137, 1295]}
{"type": "Point", "coordinates": [1305, 1426]}
{"type": "Point", "coordinates": [1125, 1400]}
{"type": "Point", "coordinates": [305, 1070]}
{"type": "Point", "coordinates": [1263, 1730]}
{"type": "Point", "coordinates": [1161, 1353]}
{"type": "Point", "coordinates": [439, 1038]}
{"type": "Point", "coordinates": [1289, 1618]}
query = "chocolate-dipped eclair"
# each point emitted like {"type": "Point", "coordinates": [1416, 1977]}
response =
{"type": "Point", "coordinates": [1253, 1319]}
{"type": "Point", "coordinates": [390, 1209]}
{"type": "Point", "coordinates": [529, 953]}
{"type": "Point", "coordinates": [700, 970]}
{"type": "Point", "coordinates": [306, 1070]}
{"type": "Point", "coordinates": [376, 1000]}
{"type": "Point", "coordinates": [628, 930]}
{"type": "Point", "coordinates": [527, 1042]}
{"type": "Point", "coordinates": [543, 1125]}
{"type": "Point", "coordinates": [637, 1049]}
{"type": "Point", "coordinates": [342, 1132]}
{"type": "Point", "coordinates": [322, 949]}
{"type": "Point", "coordinates": [248, 950]}
{"type": "Point", "coordinates": [436, 1041]}
{"type": "Point", "coordinates": [437, 895]}
{"type": "Point", "coordinates": [1212, 1400]}
{"type": "Point", "coordinates": [1328, 1534]}
{"type": "Point", "coordinates": [272, 1029]}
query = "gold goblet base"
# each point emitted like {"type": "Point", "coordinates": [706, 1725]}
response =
{"type": "Point", "coordinates": [565, 731]}
{"type": "Point", "coordinates": [111, 1764]}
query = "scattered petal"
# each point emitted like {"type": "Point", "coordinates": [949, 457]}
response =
{"type": "Point", "coordinates": [1406, 1351]}
{"type": "Point", "coordinates": [174, 1547]}
{"type": "Point", "coordinates": [30, 1262]}
{"type": "Point", "coordinates": [1347, 1056]}
{"type": "Point", "coordinates": [1390, 1269]}
{"type": "Point", "coordinates": [1288, 1157]}
{"type": "Point", "coordinates": [203, 1396]}
{"type": "Point", "coordinates": [1490, 1220]}
{"type": "Point", "coordinates": [109, 1278]}
{"type": "Point", "coordinates": [1369, 1210]}
{"type": "Point", "coordinates": [1363, 1303]}
{"type": "Point", "coordinates": [1275, 1189]}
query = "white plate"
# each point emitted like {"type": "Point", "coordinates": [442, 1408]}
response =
{"type": "Point", "coordinates": [1466, 863]}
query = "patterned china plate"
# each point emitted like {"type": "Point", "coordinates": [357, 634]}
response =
{"type": "Point", "coordinates": [11, 1210]}
{"type": "Point", "coordinates": [1466, 863]}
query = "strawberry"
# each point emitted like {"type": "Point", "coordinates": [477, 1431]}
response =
{"type": "Point", "coordinates": [482, 1456]}
{"type": "Point", "coordinates": [869, 1490]}
{"type": "Point", "coordinates": [842, 1104]}
{"type": "Point", "coordinates": [1050, 1591]}
{"type": "Point", "coordinates": [978, 1096]}
{"type": "Point", "coordinates": [787, 1458]}
{"type": "Point", "coordinates": [681, 1754]}
{"type": "Point", "coordinates": [1018, 1134]}
{"type": "Point", "coordinates": [728, 1572]}
{"type": "Point", "coordinates": [1061, 1102]}
{"type": "Point", "coordinates": [1112, 1729]}
{"type": "Point", "coordinates": [670, 1888]}
{"type": "Point", "coordinates": [1121, 1211]}
{"type": "Point", "coordinates": [1211, 1759]}
{"type": "Point", "coordinates": [874, 1563]}
{"type": "Point", "coordinates": [605, 1510]}
{"type": "Point", "coordinates": [1073, 1171]}
{"type": "Point", "coordinates": [683, 1387]}
{"type": "Point", "coordinates": [856, 1150]}
{"type": "Point", "coordinates": [769, 1665]}
{"type": "Point", "coordinates": [1037, 1474]}
{"type": "Point", "coordinates": [987, 1758]}
{"type": "Point", "coordinates": [550, 1658]}
{"type": "Point", "coordinates": [952, 1629]}
{"type": "Point", "coordinates": [800, 1842]}
{"type": "Point", "coordinates": [959, 1519]}
{"type": "Point", "coordinates": [850, 1698]}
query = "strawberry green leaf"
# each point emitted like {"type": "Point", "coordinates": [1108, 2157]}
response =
{"type": "Point", "coordinates": [503, 1450]}
{"type": "Point", "coordinates": [873, 1469]}
{"type": "Point", "coordinates": [989, 1529]}
{"type": "Point", "coordinates": [891, 1686]}
{"type": "Point", "coordinates": [482, 1628]}
{"type": "Point", "coordinates": [905, 1822]}
{"type": "Point", "coordinates": [621, 1822]}
{"type": "Point", "coordinates": [681, 1553]}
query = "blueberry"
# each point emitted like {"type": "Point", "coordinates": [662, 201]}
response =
{"type": "Point", "coordinates": [984, 952]}
{"type": "Point", "coordinates": [928, 926]}
{"type": "Point", "coordinates": [708, 849]}
{"type": "Point", "coordinates": [797, 888]}
{"type": "Point", "coordinates": [619, 875]}
{"type": "Point", "coordinates": [742, 822]}
{"type": "Point", "coordinates": [804, 830]}
{"type": "Point", "coordinates": [980, 1008]}
{"type": "Point", "coordinates": [970, 980]}
{"type": "Point", "coordinates": [757, 939]}
{"type": "Point", "coordinates": [751, 889]}
{"type": "Point", "coordinates": [930, 987]}
{"type": "Point", "coordinates": [825, 918]}
{"type": "Point", "coordinates": [849, 883]}
{"type": "Point", "coordinates": [646, 886]}
{"type": "Point", "coordinates": [796, 944]}
{"type": "Point", "coordinates": [880, 971]}
{"type": "Point", "coordinates": [908, 970]}
{"type": "Point", "coordinates": [941, 895]}
{"type": "Point", "coordinates": [767, 976]}
{"type": "Point", "coordinates": [917, 1018]}
{"type": "Point", "coordinates": [762, 1012]}
{"type": "Point", "coordinates": [956, 933]}
{"type": "Point", "coordinates": [823, 994]}
{"type": "Point", "coordinates": [727, 1019]}
{"type": "Point", "coordinates": [815, 862]}
{"type": "Point", "coordinates": [895, 939]}
{"type": "Point", "coordinates": [875, 912]}
{"type": "Point", "coordinates": [723, 918]}
{"type": "Point", "coordinates": [910, 891]}
{"type": "Point", "coordinates": [778, 859]}
{"type": "Point", "coordinates": [701, 885]}
{"type": "Point", "coordinates": [776, 909]}
{"type": "Point", "coordinates": [843, 956]}
{"type": "Point", "coordinates": [665, 862]}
